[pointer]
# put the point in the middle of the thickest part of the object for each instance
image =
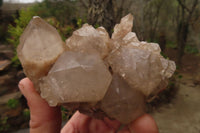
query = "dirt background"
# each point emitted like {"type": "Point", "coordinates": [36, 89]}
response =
{"type": "Point", "coordinates": [182, 113]}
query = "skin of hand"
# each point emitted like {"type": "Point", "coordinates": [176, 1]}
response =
{"type": "Point", "coordinates": [46, 119]}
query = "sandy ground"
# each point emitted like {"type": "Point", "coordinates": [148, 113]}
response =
{"type": "Point", "coordinates": [183, 114]}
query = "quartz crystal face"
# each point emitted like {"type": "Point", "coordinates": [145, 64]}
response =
{"type": "Point", "coordinates": [140, 68]}
{"type": "Point", "coordinates": [88, 39]}
{"type": "Point", "coordinates": [139, 63]}
{"type": "Point", "coordinates": [122, 102]}
{"type": "Point", "coordinates": [97, 75]}
{"type": "Point", "coordinates": [40, 46]}
{"type": "Point", "coordinates": [104, 34]}
{"type": "Point", "coordinates": [125, 26]}
{"type": "Point", "coordinates": [76, 77]}
{"type": "Point", "coordinates": [121, 30]}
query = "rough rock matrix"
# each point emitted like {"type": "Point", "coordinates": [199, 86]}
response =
{"type": "Point", "coordinates": [93, 73]}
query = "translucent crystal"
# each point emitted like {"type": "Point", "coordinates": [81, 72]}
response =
{"type": "Point", "coordinates": [88, 39]}
{"type": "Point", "coordinates": [125, 26]}
{"type": "Point", "coordinates": [76, 77]}
{"type": "Point", "coordinates": [103, 33]}
{"type": "Point", "coordinates": [152, 47]}
{"type": "Point", "coordinates": [168, 67]}
{"type": "Point", "coordinates": [141, 68]}
{"type": "Point", "coordinates": [120, 31]}
{"type": "Point", "coordinates": [130, 38]}
{"type": "Point", "coordinates": [40, 45]}
{"type": "Point", "coordinates": [122, 102]}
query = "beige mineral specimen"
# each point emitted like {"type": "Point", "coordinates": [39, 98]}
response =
{"type": "Point", "coordinates": [140, 68]}
{"type": "Point", "coordinates": [122, 29]}
{"type": "Point", "coordinates": [139, 63]}
{"type": "Point", "coordinates": [97, 75]}
{"type": "Point", "coordinates": [87, 39]}
{"type": "Point", "coordinates": [40, 46]}
{"type": "Point", "coordinates": [76, 77]}
{"type": "Point", "coordinates": [104, 34]}
{"type": "Point", "coordinates": [121, 101]}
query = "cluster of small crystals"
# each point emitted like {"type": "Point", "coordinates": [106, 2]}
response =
{"type": "Point", "coordinates": [92, 72]}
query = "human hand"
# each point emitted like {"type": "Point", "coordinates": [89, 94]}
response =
{"type": "Point", "coordinates": [46, 119]}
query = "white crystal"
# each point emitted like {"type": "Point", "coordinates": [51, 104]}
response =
{"type": "Point", "coordinates": [76, 77]}
{"type": "Point", "coordinates": [88, 39]}
{"type": "Point", "coordinates": [125, 26]}
{"type": "Point", "coordinates": [140, 68]}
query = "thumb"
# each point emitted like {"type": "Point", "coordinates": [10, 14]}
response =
{"type": "Point", "coordinates": [144, 124]}
{"type": "Point", "coordinates": [44, 118]}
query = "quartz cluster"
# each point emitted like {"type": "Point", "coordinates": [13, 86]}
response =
{"type": "Point", "coordinates": [91, 72]}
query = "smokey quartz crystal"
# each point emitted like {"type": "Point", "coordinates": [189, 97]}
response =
{"type": "Point", "coordinates": [76, 77]}
{"type": "Point", "coordinates": [120, 101]}
{"type": "Point", "coordinates": [88, 39]}
{"type": "Point", "coordinates": [93, 73]}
